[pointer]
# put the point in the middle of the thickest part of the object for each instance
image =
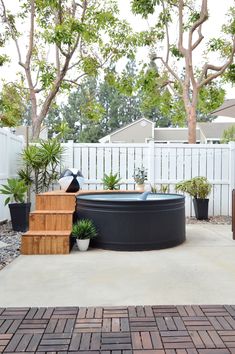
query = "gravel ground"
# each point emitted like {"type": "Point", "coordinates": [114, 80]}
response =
{"type": "Point", "coordinates": [13, 239]}
{"type": "Point", "coordinates": [217, 220]}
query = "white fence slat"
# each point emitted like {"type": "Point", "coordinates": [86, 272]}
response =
{"type": "Point", "coordinates": [172, 164]}
{"type": "Point", "coordinates": [225, 189]}
{"type": "Point", "coordinates": [195, 162]}
{"type": "Point", "coordinates": [165, 164]}
{"type": "Point", "coordinates": [210, 176]}
{"type": "Point", "coordinates": [138, 158]}
{"type": "Point", "coordinates": [77, 157]}
{"type": "Point", "coordinates": [123, 168]}
{"type": "Point", "coordinates": [115, 160]}
{"type": "Point", "coordinates": [202, 162]}
{"type": "Point", "coordinates": [158, 163]}
{"type": "Point", "coordinates": [92, 166]}
{"type": "Point", "coordinates": [180, 164]}
{"type": "Point", "coordinates": [100, 166]}
{"type": "Point", "coordinates": [217, 176]}
{"type": "Point", "coordinates": [85, 166]}
{"type": "Point", "coordinates": [108, 157]}
{"type": "Point", "coordinates": [131, 167]}
{"type": "Point", "coordinates": [187, 162]}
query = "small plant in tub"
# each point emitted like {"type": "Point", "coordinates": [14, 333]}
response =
{"type": "Point", "coordinates": [84, 230]}
{"type": "Point", "coordinates": [154, 188]}
{"type": "Point", "coordinates": [140, 176]}
{"type": "Point", "coordinates": [111, 181]}
{"type": "Point", "coordinates": [164, 188]}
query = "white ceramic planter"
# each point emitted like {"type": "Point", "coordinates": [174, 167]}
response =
{"type": "Point", "coordinates": [83, 244]}
{"type": "Point", "coordinates": [139, 187]}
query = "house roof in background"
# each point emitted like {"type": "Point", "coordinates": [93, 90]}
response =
{"type": "Point", "coordinates": [173, 134]}
{"type": "Point", "coordinates": [130, 124]}
{"type": "Point", "coordinates": [227, 109]}
{"type": "Point", "coordinates": [125, 127]}
{"type": "Point", "coordinates": [214, 130]}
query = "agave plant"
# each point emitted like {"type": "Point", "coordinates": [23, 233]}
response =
{"type": "Point", "coordinates": [111, 182]}
{"type": "Point", "coordinates": [84, 229]}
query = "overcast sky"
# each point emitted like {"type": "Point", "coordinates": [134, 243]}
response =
{"type": "Point", "coordinates": [217, 9]}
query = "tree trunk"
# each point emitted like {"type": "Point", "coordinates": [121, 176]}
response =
{"type": "Point", "coordinates": [36, 128]}
{"type": "Point", "coordinates": [192, 121]}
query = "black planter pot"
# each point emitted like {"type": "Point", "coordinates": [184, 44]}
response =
{"type": "Point", "coordinates": [20, 216]}
{"type": "Point", "coordinates": [201, 208]}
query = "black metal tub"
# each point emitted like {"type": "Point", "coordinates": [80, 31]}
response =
{"type": "Point", "coordinates": [126, 223]}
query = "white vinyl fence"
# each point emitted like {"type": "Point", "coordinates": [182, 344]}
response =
{"type": "Point", "coordinates": [10, 149]}
{"type": "Point", "coordinates": [167, 164]}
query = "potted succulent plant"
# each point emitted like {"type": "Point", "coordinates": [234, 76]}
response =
{"type": "Point", "coordinates": [15, 190]}
{"type": "Point", "coordinates": [84, 230]}
{"type": "Point", "coordinates": [140, 176]}
{"type": "Point", "coordinates": [111, 181]}
{"type": "Point", "coordinates": [199, 188]}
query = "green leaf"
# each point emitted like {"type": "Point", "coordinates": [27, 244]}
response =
{"type": "Point", "coordinates": [7, 201]}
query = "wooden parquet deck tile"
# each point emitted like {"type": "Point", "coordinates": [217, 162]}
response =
{"type": "Point", "coordinates": [207, 329]}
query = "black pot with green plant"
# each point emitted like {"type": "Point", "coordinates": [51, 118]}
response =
{"type": "Point", "coordinates": [83, 231]}
{"type": "Point", "coordinates": [199, 188]}
{"type": "Point", "coordinates": [111, 181]}
{"type": "Point", "coordinates": [15, 190]}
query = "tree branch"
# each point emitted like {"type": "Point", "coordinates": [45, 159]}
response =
{"type": "Point", "coordinates": [181, 28]}
{"type": "Point", "coordinates": [75, 64]}
{"type": "Point", "coordinates": [31, 34]}
{"type": "Point", "coordinates": [5, 18]}
{"type": "Point", "coordinates": [171, 71]}
{"type": "Point", "coordinates": [167, 35]}
{"type": "Point", "coordinates": [219, 69]}
{"type": "Point", "coordinates": [176, 93]}
{"type": "Point", "coordinates": [200, 38]}
{"type": "Point", "coordinates": [72, 82]}
{"type": "Point", "coordinates": [203, 16]}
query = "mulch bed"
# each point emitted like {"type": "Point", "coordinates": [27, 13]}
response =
{"type": "Point", "coordinates": [119, 330]}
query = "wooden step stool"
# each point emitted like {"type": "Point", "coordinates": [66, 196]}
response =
{"type": "Point", "coordinates": [50, 224]}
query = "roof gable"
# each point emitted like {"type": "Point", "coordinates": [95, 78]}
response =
{"type": "Point", "coordinates": [131, 124]}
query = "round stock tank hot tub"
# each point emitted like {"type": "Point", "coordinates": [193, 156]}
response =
{"type": "Point", "coordinates": [128, 222]}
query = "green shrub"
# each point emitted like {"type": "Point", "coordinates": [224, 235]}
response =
{"type": "Point", "coordinates": [197, 187]}
{"type": "Point", "coordinates": [228, 135]}
{"type": "Point", "coordinates": [84, 229]}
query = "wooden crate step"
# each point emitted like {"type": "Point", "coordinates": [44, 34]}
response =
{"type": "Point", "coordinates": [56, 201]}
{"type": "Point", "coordinates": [51, 220]}
{"type": "Point", "coordinates": [47, 233]}
{"type": "Point", "coordinates": [46, 242]}
{"type": "Point", "coordinates": [52, 212]}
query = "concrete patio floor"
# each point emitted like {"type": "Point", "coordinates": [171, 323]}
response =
{"type": "Point", "coordinates": [201, 271]}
